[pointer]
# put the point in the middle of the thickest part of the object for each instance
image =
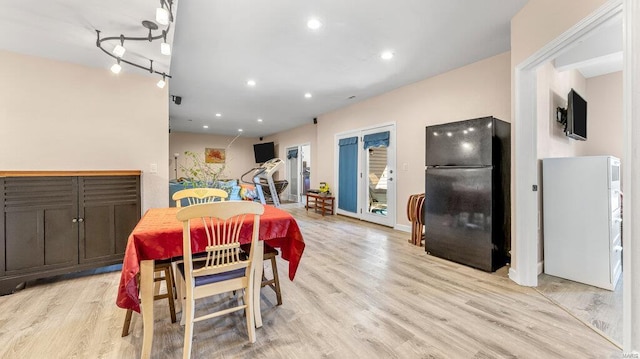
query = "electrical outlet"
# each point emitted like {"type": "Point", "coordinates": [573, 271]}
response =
{"type": "Point", "coordinates": [405, 166]}
{"type": "Point", "coordinates": [154, 168]}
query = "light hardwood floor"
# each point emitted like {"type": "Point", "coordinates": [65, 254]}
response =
{"type": "Point", "coordinates": [597, 307]}
{"type": "Point", "coordinates": [362, 291]}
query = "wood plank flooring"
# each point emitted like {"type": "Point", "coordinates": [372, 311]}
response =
{"type": "Point", "coordinates": [362, 291]}
{"type": "Point", "coordinates": [598, 307]}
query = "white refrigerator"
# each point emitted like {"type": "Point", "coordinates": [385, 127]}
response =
{"type": "Point", "coordinates": [582, 219]}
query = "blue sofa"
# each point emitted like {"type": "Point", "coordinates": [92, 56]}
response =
{"type": "Point", "coordinates": [231, 186]}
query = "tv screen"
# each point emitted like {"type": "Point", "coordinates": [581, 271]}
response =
{"type": "Point", "coordinates": [263, 152]}
{"type": "Point", "coordinates": [576, 117]}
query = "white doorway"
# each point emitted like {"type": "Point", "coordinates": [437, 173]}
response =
{"type": "Point", "coordinates": [526, 219]}
{"type": "Point", "coordinates": [298, 171]}
{"type": "Point", "coordinates": [365, 187]}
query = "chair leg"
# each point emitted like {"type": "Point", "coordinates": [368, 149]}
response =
{"type": "Point", "coordinates": [127, 323]}
{"type": "Point", "coordinates": [276, 280]}
{"type": "Point", "coordinates": [168, 278]}
{"type": "Point", "coordinates": [249, 313]}
{"type": "Point", "coordinates": [188, 312]}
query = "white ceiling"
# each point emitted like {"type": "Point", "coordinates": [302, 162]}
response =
{"type": "Point", "coordinates": [220, 44]}
{"type": "Point", "coordinates": [597, 55]}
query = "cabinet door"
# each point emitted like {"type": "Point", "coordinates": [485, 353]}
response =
{"type": "Point", "coordinates": [109, 208]}
{"type": "Point", "coordinates": [39, 228]}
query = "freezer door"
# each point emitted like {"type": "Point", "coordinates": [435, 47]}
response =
{"type": "Point", "coordinates": [463, 143]}
{"type": "Point", "coordinates": [458, 215]}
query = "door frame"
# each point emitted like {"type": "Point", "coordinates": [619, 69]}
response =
{"type": "Point", "coordinates": [362, 197]}
{"type": "Point", "coordinates": [299, 163]}
{"type": "Point", "coordinates": [525, 246]}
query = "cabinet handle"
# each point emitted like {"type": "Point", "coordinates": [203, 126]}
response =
{"type": "Point", "coordinates": [74, 220]}
{"type": "Point", "coordinates": [80, 220]}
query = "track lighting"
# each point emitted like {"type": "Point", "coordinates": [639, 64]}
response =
{"type": "Point", "coordinates": [164, 16]}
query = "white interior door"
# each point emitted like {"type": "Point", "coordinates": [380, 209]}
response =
{"type": "Point", "coordinates": [298, 171]}
{"type": "Point", "coordinates": [293, 173]}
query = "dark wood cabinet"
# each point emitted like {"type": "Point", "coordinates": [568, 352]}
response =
{"type": "Point", "coordinates": [57, 223]}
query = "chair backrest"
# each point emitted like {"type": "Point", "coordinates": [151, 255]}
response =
{"type": "Point", "coordinates": [222, 224]}
{"type": "Point", "coordinates": [199, 195]}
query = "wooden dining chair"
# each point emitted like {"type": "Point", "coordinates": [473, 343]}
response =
{"type": "Point", "coordinates": [270, 255]}
{"type": "Point", "coordinates": [199, 195]}
{"type": "Point", "coordinates": [223, 269]}
{"type": "Point", "coordinates": [195, 196]}
{"type": "Point", "coordinates": [162, 272]}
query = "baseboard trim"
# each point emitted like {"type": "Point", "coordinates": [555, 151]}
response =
{"type": "Point", "coordinates": [540, 267]}
{"type": "Point", "coordinates": [403, 228]}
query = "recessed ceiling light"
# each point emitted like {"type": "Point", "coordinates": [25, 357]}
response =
{"type": "Point", "coordinates": [307, 95]}
{"type": "Point", "coordinates": [314, 24]}
{"type": "Point", "coordinates": [239, 130]}
{"type": "Point", "coordinates": [251, 83]}
{"type": "Point", "coordinates": [218, 115]}
{"type": "Point", "coordinates": [259, 120]}
{"type": "Point", "coordinates": [205, 126]}
{"type": "Point", "coordinates": [387, 55]}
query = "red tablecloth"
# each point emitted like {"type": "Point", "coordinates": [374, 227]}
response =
{"type": "Point", "coordinates": [158, 235]}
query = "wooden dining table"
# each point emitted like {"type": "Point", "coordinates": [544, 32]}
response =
{"type": "Point", "coordinates": [158, 235]}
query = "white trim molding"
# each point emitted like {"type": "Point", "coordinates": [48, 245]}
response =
{"type": "Point", "coordinates": [402, 227]}
{"type": "Point", "coordinates": [631, 177]}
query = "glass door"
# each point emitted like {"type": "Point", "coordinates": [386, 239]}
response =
{"type": "Point", "coordinates": [293, 173]}
{"type": "Point", "coordinates": [377, 184]}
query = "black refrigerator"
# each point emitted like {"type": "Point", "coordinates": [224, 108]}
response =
{"type": "Point", "coordinates": [467, 206]}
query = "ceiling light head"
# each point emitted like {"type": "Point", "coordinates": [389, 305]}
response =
{"type": "Point", "coordinates": [314, 24]}
{"type": "Point", "coordinates": [307, 95]}
{"type": "Point", "coordinates": [205, 126]}
{"type": "Point", "coordinates": [116, 68]}
{"type": "Point", "coordinates": [259, 120]}
{"type": "Point", "coordinates": [162, 16]}
{"type": "Point", "coordinates": [239, 130]}
{"type": "Point", "coordinates": [165, 49]}
{"type": "Point", "coordinates": [119, 50]}
{"type": "Point", "coordinates": [251, 83]}
{"type": "Point", "coordinates": [162, 82]}
{"type": "Point", "coordinates": [386, 55]}
{"type": "Point", "coordinates": [218, 115]}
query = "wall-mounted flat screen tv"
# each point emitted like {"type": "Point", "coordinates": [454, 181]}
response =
{"type": "Point", "coordinates": [263, 152]}
{"type": "Point", "coordinates": [576, 117]}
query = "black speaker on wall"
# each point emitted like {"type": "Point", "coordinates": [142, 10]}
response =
{"type": "Point", "coordinates": [315, 120]}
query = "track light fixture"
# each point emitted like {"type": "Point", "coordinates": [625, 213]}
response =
{"type": "Point", "coordinates": [164, 16]}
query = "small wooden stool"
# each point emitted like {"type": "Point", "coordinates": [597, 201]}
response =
{"type": "Point", "coordinates": [415, 213]}
{"type": "Point", "coordinates": [160, 267]}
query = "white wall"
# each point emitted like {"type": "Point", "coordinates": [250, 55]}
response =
{"type": "Point", "coordinates": [553, 88]}
{"type": "Point", "coordinates": [61, 116]}
{"type": "Point", "coordinates": [476, 90]}
{"type": "Point", "coordinates": [604, 123]}
{"type": "Point", "coordinates": [239, 152]}
{"type": "Point", "coordinates": [306, 134]}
